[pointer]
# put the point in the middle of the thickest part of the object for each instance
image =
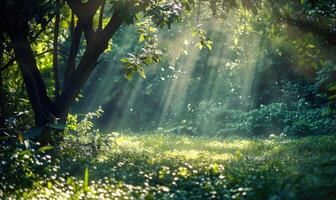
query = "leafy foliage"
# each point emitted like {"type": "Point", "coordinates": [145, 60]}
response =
{"type": "Point", "coordinates": [81, 140]}
{"type": "Point", "coordinates": [21, 168]}
{"type": "Point", "coordinates": [156, 166]}
{"type": "Point", "coordinates": [267, 69]}
{"type": "Point", "coordinates": [293, 114]}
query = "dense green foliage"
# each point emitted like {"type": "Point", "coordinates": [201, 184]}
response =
{"type": "Point", "coordinates": [215, 99]}
{"type": "Point", "coordinates": [157, 166]}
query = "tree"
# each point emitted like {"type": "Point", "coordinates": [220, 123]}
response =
{"type": "Point", "coordinates": [23, 21]}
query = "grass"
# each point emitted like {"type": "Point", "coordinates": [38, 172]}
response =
{"type": "Point", "coordinates": [156, 166]}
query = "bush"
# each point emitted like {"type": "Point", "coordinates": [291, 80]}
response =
{"type": "Point", "coordinates": [81, 139]}
{"type": "Point", "coordinates": [275, 118]}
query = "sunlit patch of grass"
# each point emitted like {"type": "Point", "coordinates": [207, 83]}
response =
{"type": "Point", "coordinates": [189, 148]}
{"type": "Point", "coordinates": [159, 142]}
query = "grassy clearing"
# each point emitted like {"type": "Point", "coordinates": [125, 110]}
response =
{"type": "Point", "coordinates": [156, 166]}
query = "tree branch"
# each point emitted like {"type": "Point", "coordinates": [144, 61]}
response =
{"type": "Point", "coordinates": [112, 26]}
{"type": "Point", "coordinates": [76, 35]}
{"type": "Point", "coordinates": [85, 13]}
{"type": "Point", "coordinates": [101, 16]}
{"type": "Point", "coordinates": [87, 64]}
{"type": "Point", "coordinates": [55, 46]}
{"type": "Point", "coordinates": [52, 50]}
{"type": "Point", "coordinates": [84, 10]}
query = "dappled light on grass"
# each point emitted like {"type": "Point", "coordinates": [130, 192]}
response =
{"type": "Point", "coordinates": [189, 148]}
{"type": "Point", "coordinates": [195, 154]}
{"type": "Point", "coordinates": [168, 166]}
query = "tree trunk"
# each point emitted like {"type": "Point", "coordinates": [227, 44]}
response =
{"type": "Point", "coordinates": [2, 104]}
{"type": "Point", "coordinates": [77, 81]}
{"type": "Point", "coordinates": [36, 90]}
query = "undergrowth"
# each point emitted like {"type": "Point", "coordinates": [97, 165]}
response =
{"type": "Point", "coordinates": [157, 166]}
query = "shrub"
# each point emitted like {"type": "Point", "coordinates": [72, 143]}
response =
{"type": "Point", "coordinates": [275, 118]}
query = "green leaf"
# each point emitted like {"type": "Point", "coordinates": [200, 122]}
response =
{"type": "Point", "coordinates": [86, 180]}
{"type": "Point", "coordinates": [199, 45]}
{"type": "Point", "coordinates": [311, 46]}
{"type": "Point", "coordinates": [129, 75]}
{"type": "Point", "coordinates": [142, 38]}
{"type": "Point", "coordinates": [24, 100]}
{"type": "Point", "coordinates": [45, 148]}
{"type": "Point", "coordinates": [148, 60]}
{"type": "Point", "coordinates": [209, 44]}
{"type": "Point", "coordinates": [49, 185]}
{"type": "Point", "coordinates": [142, 72]}
{"type": "Point", "coordinates": [156, 59]}
{"type": "Point", "coordinates": [194, 32]}
{"type": "Point", "coordinates": [21, 138]}
{"type": "Point", "coordinates": [124, 60]}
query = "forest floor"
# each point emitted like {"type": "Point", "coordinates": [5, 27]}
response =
{"type": "Point", "coordinates": [156, 166]}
